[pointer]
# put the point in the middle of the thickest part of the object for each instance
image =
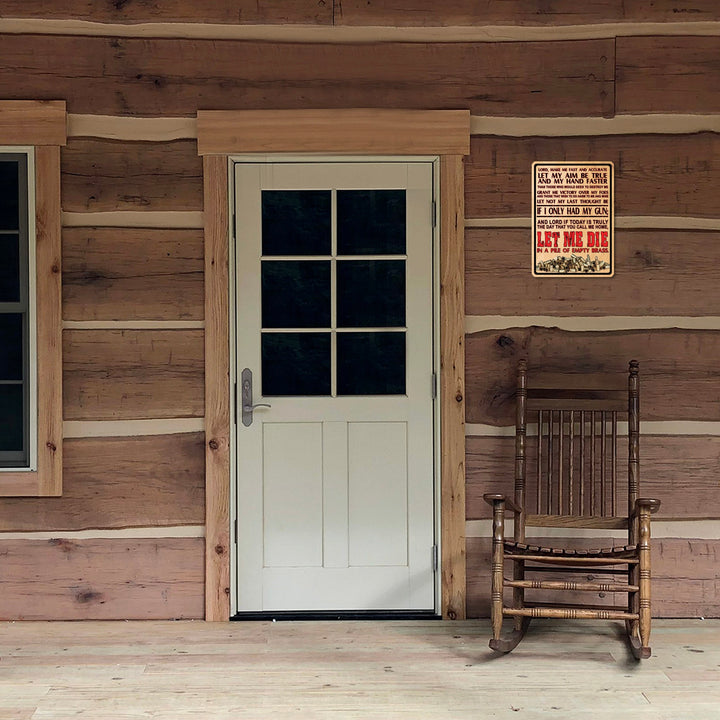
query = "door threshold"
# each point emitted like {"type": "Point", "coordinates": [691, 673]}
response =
{"type": "Point", "coordinates": [338, 615]}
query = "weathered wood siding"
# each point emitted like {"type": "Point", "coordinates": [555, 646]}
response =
{"type": "Point", "coordinates": [661, 273]}
{"type": "Point", "coordinates": [119, 482]}
{"type": "Point", "coordinates": [132, 273]}
{"type": "Point", "coordinates": [102, 579]}
{"type": "Point", "coordinates": [654, 174]}
{"type": "Point", "coordinates": [176, 77]}
{"type": "Point", "coordinates": [126, 536]}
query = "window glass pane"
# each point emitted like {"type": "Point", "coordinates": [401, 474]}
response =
{"type": "Point", "coordinates": [295, 293]}
{"type": "Point", "coordinates": [371, 293]}
{"type": "Point", "coordinates": [296, 222]}
{"type": "Point", "coordinates": [296, 363]}
{"type": "Point", "coordinates": [9, 268]}
{"type": "Point", "coordinates": [371, 363]}
{"type": "Point", "coordinates": [11, 417]}
{"type": "Point", "coordinates": [371, 222]}
{"type": "Point", "coordinates": [11, 346]}
{"type": "Point", "coordinates": [9, 200]}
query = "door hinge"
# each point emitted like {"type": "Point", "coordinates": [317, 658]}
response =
{"type": "Point", "coordinates": [435, 561]}
{"type": "Point", "coordinates": [234, 226]}
{"type": "Point", "coordinates": [235, 403]}
{"type": "Point", "coordinates": [235, 534]}
{"type": "Point", "coordinates": [434, 214]}
{"type": "Point", "coordinates": [433, 389]}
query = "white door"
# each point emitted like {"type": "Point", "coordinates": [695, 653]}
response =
{"type": "Point", "coordinates": [334, 340]}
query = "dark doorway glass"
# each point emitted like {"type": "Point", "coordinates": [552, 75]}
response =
{"type": "Point", "coordinates": [296, 363]}
{"type": "Point", "coordinates": [296, 222]}
{"type": "Point", "coordinates": [371, 222]}
{"type": "Point", "coordinates": [371, 363]}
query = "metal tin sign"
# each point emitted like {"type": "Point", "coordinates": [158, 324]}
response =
{"type": "Point", "coordinates": [573, 219]}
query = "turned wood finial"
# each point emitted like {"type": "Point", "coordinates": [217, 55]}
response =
{"type": "Point", "coordinates": [634, 367]}
{"type": "Point", "coordinates": [522, 374]}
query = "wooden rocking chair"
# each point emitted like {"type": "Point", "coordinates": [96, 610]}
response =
{"type": "Point", "coordinates": [572, 482]}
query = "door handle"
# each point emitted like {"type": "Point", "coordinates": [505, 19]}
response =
{"type": "Point", "coordinates": [246, 398]}
{"type": "Point", "coordinates": [250, 408]}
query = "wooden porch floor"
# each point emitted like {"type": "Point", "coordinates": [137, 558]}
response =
{"type": "Point", "coordinates": [381, 670]}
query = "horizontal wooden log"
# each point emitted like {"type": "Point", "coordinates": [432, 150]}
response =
{"type": "Point", "coordinates": [28, 122]}
{"type": "Point", "coordinates": [664, 74]}
{"type": "Point", "coordinates": [684, 579]}
{"type": "Point", "coordinates": [664, 273]}
{"type": "Point", "coordinates": [236, 12]}
{"type": "Point", "coordinates": [654, 174]}
{"type": "Point", "coordinates": [108, 175]}
{"type": "Point", "coordinates": [518, 12]}
{"type": "Point", "coordinates": [679, 373]}
{"type": "Point", "coordinates": [149, 481]}
{"type": "Point", "coordinates": [106, 579]}
{"type": "Point", "coordinates": [132, 274]}
{"type": "Point", "coordinates": [132, 374]}
{"type": "Point", "coordinates": [167, 77]}
{"type": "Point", "coordinates": [681, 471]}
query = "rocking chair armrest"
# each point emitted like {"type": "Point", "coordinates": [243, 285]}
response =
{"type": "Point", "coordinates": [650, 503]}
{"type": "Point", "coordinates": [493, 498]}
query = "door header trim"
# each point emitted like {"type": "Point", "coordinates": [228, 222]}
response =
{"type": "Point", "coordinates": [349, 131]}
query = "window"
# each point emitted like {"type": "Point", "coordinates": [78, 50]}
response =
{"type": "Point", "coordinates": [17, 311]}
{"type": "Point", "coordinates": [30, 298]}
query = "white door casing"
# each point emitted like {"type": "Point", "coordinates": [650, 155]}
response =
{"type": "Point", "coordinates": [334, 493]}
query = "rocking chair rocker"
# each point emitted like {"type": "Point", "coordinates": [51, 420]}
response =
{"type": "Point", "coordinates": [574, 483]}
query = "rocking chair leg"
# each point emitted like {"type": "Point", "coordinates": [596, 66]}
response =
{"type": "Point", "coordinates": [505, 645]}
{"type": "Point", "coordinates": [644, 572]}
{"type": "Point", "coordinates": [498, 563]}
{"type": "Point", "coordinates": [639, 630]}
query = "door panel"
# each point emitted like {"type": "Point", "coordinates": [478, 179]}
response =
{"type": "Point", "coordinates": [293, 512]}
{"type": "Point", "coordinates": [334, 313]}
{"type": "Point", "coordinates": [377, 494]}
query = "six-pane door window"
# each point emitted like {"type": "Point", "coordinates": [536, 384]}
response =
{"type": "Point", "coordinates": [333, 292]}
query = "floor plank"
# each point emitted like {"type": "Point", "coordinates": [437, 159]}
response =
{"type": "Point", "coordinates": [349, 670]}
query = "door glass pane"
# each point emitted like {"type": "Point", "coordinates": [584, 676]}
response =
{"type": "Point", "coordinates": [9, 268]}
{"type": "Point", "coordinates": [296, 363]}
{"type": "Point", "coordinates": [371, 293]}
{"type": "Point", "coordinates": [296, 222]}
{"type": "Point", "coordinates": [11, 417]}
{"type": "Point", "coordinates": [371, 222]}
{"type": "Point", "coordinates": [295, 293]}
{"type": "Point", "coordinates": [371, 363]}
{"type": "Point", "coordinates": [9, 200]}
{"type": "Point", "coordinates": [11, 346]}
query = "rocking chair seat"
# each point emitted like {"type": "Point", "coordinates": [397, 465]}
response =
{"type": "Point", "coordinates": [520, 548]}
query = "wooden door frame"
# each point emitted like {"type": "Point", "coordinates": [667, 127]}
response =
{"type": "Point", "coordinates": [222, 133]}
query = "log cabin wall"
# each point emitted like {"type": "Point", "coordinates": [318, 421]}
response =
{"type": "Point", "coordinates": [632, 82]}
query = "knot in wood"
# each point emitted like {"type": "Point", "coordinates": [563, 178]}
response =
{"type": "Point", "coordinates": [226, 590]}
{"type": "Point", "coordinates": [219, 549]}
{"type": "Point", "coordinates": [505, 341]}
{"type": "Point", "coordinates": [459, 397]}
{"type": "Point", "coordinates": [452, 615]}
{"type": "Point", "coordinates": [55, 268]}
{"type": "Point", "coordinates": [51, 446]}
{"type": "Point", "coordinates": [214, 445]}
